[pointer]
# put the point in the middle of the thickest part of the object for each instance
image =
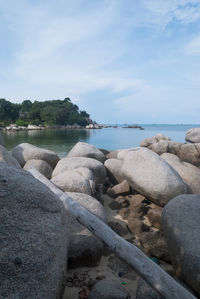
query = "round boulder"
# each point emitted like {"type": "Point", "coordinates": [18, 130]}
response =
{"type": "Point", "coordinates": [6, 157]}
{"type": "Point", "coordinates": [33, 237]}
{"type": "Point", "coordinates": [25, 152]}
{"type": "Point", "coordinates": [42, 166]}
{"type": "Point", "coordinates": [181, 228]}
{"type": "Point", "coordinates": [114, 167]}
{"type": "Point", "coordinates": [82, 149]}
{"type": "Point", "coordinates": [193, 135]}
{"type": "Point", "coordinates": [151, 176]}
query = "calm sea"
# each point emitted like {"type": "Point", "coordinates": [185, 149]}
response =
{"type": "Point", "coordinates": [61, 141]}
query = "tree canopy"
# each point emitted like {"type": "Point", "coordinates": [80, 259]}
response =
{"type": "Point", "coordinates": [56, 112]}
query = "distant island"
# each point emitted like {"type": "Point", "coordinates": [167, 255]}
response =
{"type": "Point", "coordinates": [47, 113]}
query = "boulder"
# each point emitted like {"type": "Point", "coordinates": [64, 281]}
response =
{"type": "Point", "coordinates": [6, 157]}
{"type": "Point", "coordinates": [193, 135]}
{"type": "Point", "coordinates": [154, 215]}
{"type": "Point", "coordinates": [155, 245]}
{"type": "Point", "coordinates": [108, 289]}
{"type": "Point", "coordinates": [82, 149]}
{"type": "Point", "coordinates": [25, 152]}
{"type": "Point", "coordinates": [85, 249]}
{"type": "Point", "coordinates": [114, 167]}
{"type": "Point", "coordinates": [151, 176]}
{"type": "Point", "coordinates": [150, 140]}
{"type": "Point", "coordinates": [144, 291]}
{"type": "Point", "coordinates": [181, 227]}
{"type": "Point", "coordinates": [1, 140]}
{"type": "Point", "coordinates": [33, 237]}
{"type": "Point", "coordinates": [120, 189]}
{"type": "Point", "coordinates": [42, 166]}
{"type": "Point", "coordinates": [113, 154]}
{"type": "Point", "coordinates": [72, 181]}
{"type": "Point", "coordinates": [188, 172]}
{"type": "Point", "coordinates": [97, 168]}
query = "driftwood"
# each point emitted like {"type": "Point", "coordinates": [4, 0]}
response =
{"type": "Point", "coordinates": [154, 275]}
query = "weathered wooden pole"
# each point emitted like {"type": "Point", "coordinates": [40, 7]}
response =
{"type": "Point", "coordinates": [154, 275]}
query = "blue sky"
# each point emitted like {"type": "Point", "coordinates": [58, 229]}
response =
{"type": "Point", "coordinates": [123, 61]}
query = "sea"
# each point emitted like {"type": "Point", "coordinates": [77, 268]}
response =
{"type": "Point", "coordinates": [62, 140]}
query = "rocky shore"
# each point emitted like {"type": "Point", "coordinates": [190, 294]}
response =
{"type": "Point", "coordinates": [149, 195]}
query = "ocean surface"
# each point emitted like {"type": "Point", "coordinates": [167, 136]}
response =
{"type": "Point", "coordinates": [62, 140]}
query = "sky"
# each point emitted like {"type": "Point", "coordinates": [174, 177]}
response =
{"type": "Point", "coordinates": [123, 61]}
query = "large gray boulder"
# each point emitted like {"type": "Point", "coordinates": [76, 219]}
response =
{"type": "Point", "coordinates": [144, 291]}
{"type": "Point", "coordinates": [85, 249]}
{"type": "Point", "coordinates": [1, 140]}
{"type": "Point", "coordinates": [114, 168]}
{"type": "Point", "coordinates": [108, 289]}
{"type": "Point", "coordinates": [97, 168]}
{"type": "Point", "coordinates": [82, 149]}
{"type": "Point", "coordinates": [187, 152]}
{"type": "Point", "coordinates": [33, 237]}
{"type": "Point", "coordinates": [72, 181]}
{"type": "Point", "coordinates": [150, 140]}
{"type": "Point", "coordinates": [6, 157]}
{"type": "Point", "coordinates": [25, 152]}
{"type": "Point", "coordinates": [181, 227]}
{"type": "Point", "coordinates": [42, 166]}
{"type": "Point", "coordinates": [193, 135]}
{"type": "Point", "coordinates": [188, 172]}
{"type": "Point", "coordinates": [151, 176]}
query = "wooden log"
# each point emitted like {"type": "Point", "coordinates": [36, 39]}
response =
{"type": "Point", "coordinates": [154, 275]}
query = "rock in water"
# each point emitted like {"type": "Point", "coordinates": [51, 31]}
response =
{"type": "Point", "coordinates": [150, 140]}
{"type": "Point", "coordinates": [82, 149]}
{"type": "Point", "coordinates": [151, 176]}
{"type": "Point", "coordinates": [25, 152]}
{"type": "Point", "coordinates": [33, 237]}
{"type": "Point", "coordinates": [193, 135]}
{"type": "Point", "coordinates": [1, 140]}
{"type": "Point", "coordinates": [6, 157]}
{"type": "Point", "coordinates": [188, 172]}
{"type": "Point", "coordinates": [95, 166]}
{"type": "Point", "coordinates": [42, 166]}
{"type": "Point", "coordinates": [181, 227]}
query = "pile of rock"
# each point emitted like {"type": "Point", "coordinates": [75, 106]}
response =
{"type": "Point", "coordinates": [150, 199]}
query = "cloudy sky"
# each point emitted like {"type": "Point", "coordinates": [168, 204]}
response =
{"type": "Point", "coordinates": [124, 61]}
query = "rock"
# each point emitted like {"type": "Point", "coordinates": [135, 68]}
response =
{"type": "Point", "coordinates": [150, 140]}
{"type": "Point", "coordinates": [144, 291]}
{"type": "Point", "coordinates": [122, 154]}
{"type": "Point", "coordinates": [193, 135]}
{"type": "Point", "coordinates": [154, 216]}
{"type": "Point", "coordinates": [154, 244]}
{"type": "Point", "coordinates": [82, 149]}
{"type": "Point", "coordinates": [6, 157]}
{"type": "Point", "coordinates": [33, 237]}
{"type": "Point", "coordinates": [118, 228]}
{"type": "Point", "coordinates": [188, 172]}
{"type": "Point", "coordinates": [25, 152]}
{"type": "Point", "coordinates": [119, 203]}
{"type": "Point", "coordinates": [97, 168]}
{"type": "Point", "coordinates": [119, 266]}
{"type": "Point", "coordinates": [114, 167]}
{"type": "Point", "coordinates": [85, 172]}
{"type": "Point", "coordinates": [181, 227]}
{"type": "Point", "coordinates": [85, 249]}
{"type": "Point", "coordinates": [42, 166]}
{"type": "Point", "coordinates": [1, 140]}
{"type": "Point", "coordinates": [34, 127]}
{"type": "Point", "coordinates": [72, 181]}
{"type": "Point", "coordinates": [108, 289]}
{"type": "Point", "coordinates": [187, 152]}
{"type": "Point", "coordinates": [104, 151]}
{"type": "Point", "coordinates": [136, 226]}
{"type": "Point", "coordinates": [120, 189]}
{"type": "Point", "coordinates": [113, 154]}
{"type": "Point", "coordinates": [151, 176]}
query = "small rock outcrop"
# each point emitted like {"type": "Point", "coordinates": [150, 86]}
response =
{"type": "Point", "coordinates": [181, 227]}
{"type": "Point", "coordinates": [34, 237]}
{"type": "Point", "coordinates": [82, 149]}
{"type": "Point", "coordinates": [193, 135]}
{"type": "Point", "coordinates": [97, 168]}
{"type": "Point", "coordinates": [42, 166]}
{"type": "Point", "coordinates": [6, 157]}
{"type": "Point", "coordinates": [151, 176]}
{"type": "Point", "coordinates": [150, 140]}
{"type": "Point", "coordinates": [25, 152]}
